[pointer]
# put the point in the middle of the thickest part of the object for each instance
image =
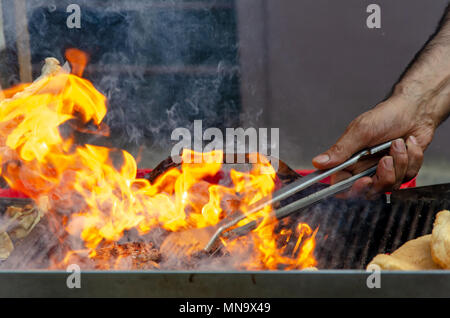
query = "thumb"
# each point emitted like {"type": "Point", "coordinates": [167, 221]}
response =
{"type": "Point", "coordinates": [343, 149]}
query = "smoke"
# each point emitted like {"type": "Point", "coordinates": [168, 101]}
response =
{"type": "Point", "coordinates": [161, 64]}
{"type": "Point", "coordinates": [160, 68]}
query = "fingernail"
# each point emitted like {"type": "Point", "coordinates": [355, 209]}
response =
{"type": "Point", "coordinates": [323, 158]}
{"type": "Point", "coordinates": [413, 139]}
{"type": "Point", "coordinates": [399, 145]}
{"type": "Point", "coordinates": [388, 163]}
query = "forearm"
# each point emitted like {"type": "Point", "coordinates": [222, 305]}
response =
{"type": "Point", "coordinates": [427, 82]}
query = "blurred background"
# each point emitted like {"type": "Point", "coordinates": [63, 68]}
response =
{"type": "Point", "coordinates": [307, 67]}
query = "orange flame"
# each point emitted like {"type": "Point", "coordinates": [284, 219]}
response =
{"type": "Point", "coordinates": [39, 158]}
{"type": "Point", "coordinates": [78, 60]}
{"type": "Point", "coordinates": [10, 92]}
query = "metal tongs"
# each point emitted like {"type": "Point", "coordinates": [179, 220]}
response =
{"type": "Point", "coordinates": [293, 188]}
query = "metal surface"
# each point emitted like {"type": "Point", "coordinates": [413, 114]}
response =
{"type": "Point", "coordinates": [292, 284]}
{"type": "Point", "coordinates": [320, 195]}
{"type": "Point", "coordinates": [302, 184]}
{"type": "Point", "coordinates": [295, 206]}
{"type": "Point", "coordinates": [319, 175]}
{"type": "Point", "coordinates": [350, 234]}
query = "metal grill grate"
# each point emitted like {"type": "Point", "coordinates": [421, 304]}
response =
{"type": "Point", "coordinates": [351, 233]}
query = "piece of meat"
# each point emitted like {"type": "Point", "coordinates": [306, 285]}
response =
{"type": "Point", "coordinates": [284, 173]}
{"type": "Point", "coordinates": [198, 196]}
{"type": "Point", "coordinates": [6, 245]}
{"type": "Point", "coordinates": [131, 255]}
{"type": "Point", "coordinates": [160, 169]}
{"type": "Point", "coordinates": [440, 240]}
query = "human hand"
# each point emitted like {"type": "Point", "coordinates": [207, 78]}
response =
{"type": "Point", "coordinates": [398, 119]}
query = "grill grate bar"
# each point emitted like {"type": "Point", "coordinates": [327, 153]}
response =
{"type": "Point", "coordinates": [358, 241]}
{"type": "Point", "coordinates": [402, 227]}
{"type": "Point", "coordinates": [346, 225]}
{"type": "Point", "coordinates": [376, 216]}
{"type": "Point", "coordinates": [428, 224]}
{"type": "Point", "coordinates": [415, 222]}
{"type": "Point", "coordinates": [387, 233]}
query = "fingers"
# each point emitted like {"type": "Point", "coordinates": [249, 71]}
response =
{"type": "Point", "coordinates": [415, 158]}
{"type": "Point", "coordinates": [370, 187]}
{"type": "Point", "coordinates": [399, 155]}
{"type": "Point", "coordinates": [391, 170]}
{"type": "Point", "coordinates": [339, 176]}
{"type": "Point", "coordinates": [402, 164]}
{"type": "Point", "coordinates": [349, 143]}
{"type": "Point", "coordinates": [337, 154]}
{"type": "Point", "coordinates": [358, 189]}
{"type": "Point", "coordinates": [384, 178]}
{"type": "Point", "coordinates": [390, 173]}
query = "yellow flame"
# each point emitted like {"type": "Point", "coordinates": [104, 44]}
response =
{"type": "Point", "coordinates": [105, 199]}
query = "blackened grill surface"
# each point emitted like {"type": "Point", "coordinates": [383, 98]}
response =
{"type": "Point", "coordinates": [351, 233]}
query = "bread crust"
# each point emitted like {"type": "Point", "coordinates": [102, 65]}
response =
{"type": "Point", "coordinates": [440, 240]}
{"type": "Point", "coordinates": [412, 256]}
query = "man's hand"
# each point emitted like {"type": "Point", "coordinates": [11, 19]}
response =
{"type": "Point", "coordinates": [420, 102]}
{"type": "Point", "coordinates": [395, 119]}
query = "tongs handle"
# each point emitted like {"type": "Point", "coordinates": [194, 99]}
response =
{"type": "Point", "coordinates": [321, 194]}
{"type": "Point", "coordinates": [302, 184]}
{"type": "Point", "coordinates": [318, 175]}
{"type": "Point", "coordinates": [302, 203]}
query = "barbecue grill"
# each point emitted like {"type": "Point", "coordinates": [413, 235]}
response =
{"type": "Point", "coordinates": [203, 70]}
{"type": "Point", "coordinates": [351, 233]}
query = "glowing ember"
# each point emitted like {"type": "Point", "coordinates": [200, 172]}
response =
{"type": "Point", "coordinates": [102, 200]}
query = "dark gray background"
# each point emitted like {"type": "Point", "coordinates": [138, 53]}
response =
{"type": "Point", "coordinates": [313, 65]}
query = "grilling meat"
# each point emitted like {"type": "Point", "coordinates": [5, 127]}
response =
{"type": "Point", "coordinates": [132, 252]}
{"type": "Point", "coordinates": [6, 246]}
{"type": "Point", "coordinates": [284, 173]}
{"type": "Point", "coordinates": [132, 255]}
